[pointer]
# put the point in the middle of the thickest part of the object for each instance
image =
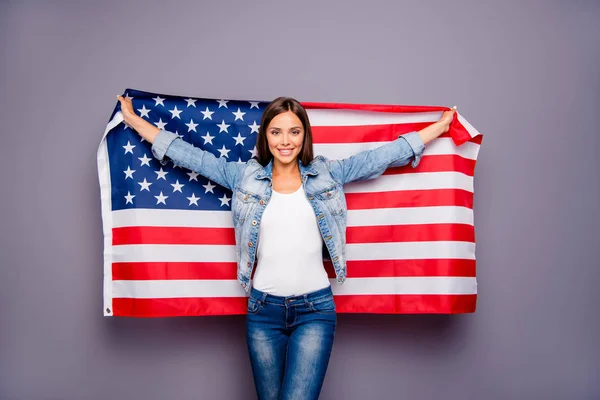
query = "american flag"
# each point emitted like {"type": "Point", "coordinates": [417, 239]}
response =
{"type": "Point", "coordinates": [169, 246]}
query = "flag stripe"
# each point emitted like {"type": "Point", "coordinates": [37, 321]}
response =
{"type": "Point", "coordinates": [408, 198]}
{"type": "Point", "coordinates": [439, 163]}
{"type": "Point", "coordinates": [228, 270]}
{"type": "Point", "coordinates": [416, 181]}
{"type": "Point", "coordinates": [411, 233]}
{"type": "Point", "coordinates": [374, 304]}
{"type": "Point", "coordinates": [352, 286]}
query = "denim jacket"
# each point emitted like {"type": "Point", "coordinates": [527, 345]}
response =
{"type": "Point", "coordinates": [322, 180]}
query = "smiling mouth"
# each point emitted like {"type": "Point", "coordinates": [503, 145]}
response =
{"type": "Point", "coordinates": [285, 152]}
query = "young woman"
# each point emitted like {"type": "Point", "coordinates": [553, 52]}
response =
{"type": "Point", "coordinates": [288, 210]}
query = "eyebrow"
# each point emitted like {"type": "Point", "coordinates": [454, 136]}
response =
{"type": "Point", "coordinates": [293, 127]}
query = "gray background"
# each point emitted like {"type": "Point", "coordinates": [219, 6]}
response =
{"type": "Point", "coordinates": [525, 74]}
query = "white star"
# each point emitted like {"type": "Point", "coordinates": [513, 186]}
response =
{"type": "Point", "coordinates": [253, 152]}
{"type": "Point", "coordinates": [207, 114]}
{"type": "Point", "coordinates": [177, 186]}
{"type": "Point", "coordinates": [158, 101]}
{"type": "Point", "coordinates": [224, 152]}
{"type": "Point", "coordinates": [254, 104]}
{"type": "Point", "coordinates": [254, 127]}
{"type": "Point", "coordinates": [145, 160]}
{"type": "Point", "coordinates": [160, 124]}
{"type": "Point", "coordinates": [222, 103]}
{"type": "Point", "coordinates": [177, 133]}
{"type": "Point", "coordinates": [209, 188]}
{"type": "Point", "coordinates": [129, 172]}
{"type": "Point", "coordinates": [239, 139]}
{"type": "Point", "coordinates": [129, 198]}
{"type": "Point", "coordinates": [240, 161]}
{"type": "Point", "coordinates": [223, 127]}
{"type": "Point", "coordinates": [128, 148]}
{"type": "Point", "coordinates": [144, 111]}
{"type": "Point", "coordinates": [145, 185]}
{"type": "Point", "coordinates": [175, 113]}
{"type": "Point", "coordinates": [192, 126]}
{"type": "Point", "coordinates": [161, 174]}
{"type": "Point", "coordinates": [161, 199]}
{"type": "Point", "coordinates": [239, 115]}
{"type": "Point", "coordinates": [191, 102]}
{"type": "Point", "coordinates": [128, 96]}
{"type": "Point", "coordinates": [193, 176]}
{"type": "Point", "coordinates": [207, 138]}
{"type": "Point", "coordinates": [193, 199]}
{"type": "Point", "coordinates": [225, 200]}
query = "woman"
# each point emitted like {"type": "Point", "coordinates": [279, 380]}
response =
{"type": "Point", "coordinates": [295, 204]}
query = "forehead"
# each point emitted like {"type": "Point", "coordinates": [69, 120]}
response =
{"type": "Point", "coordinates": [285, 120]}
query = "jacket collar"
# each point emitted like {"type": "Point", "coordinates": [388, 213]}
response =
{"type": "Point", "coordinates": [267, 172]}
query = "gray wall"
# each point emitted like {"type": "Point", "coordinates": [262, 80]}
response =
{"type": "Point", "coordinates": [527, 75]}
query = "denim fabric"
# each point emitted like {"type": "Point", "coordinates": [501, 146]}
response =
{"type": "Point", "coordinates": [289, 343]}
{"type": "Point", "coordinates": [323, 181]}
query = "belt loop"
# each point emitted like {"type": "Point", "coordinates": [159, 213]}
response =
{"type": "Point", "coordinates": [264, 296]}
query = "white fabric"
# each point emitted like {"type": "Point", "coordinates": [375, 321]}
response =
{"type": "Point", "coordinates": [290, 258]}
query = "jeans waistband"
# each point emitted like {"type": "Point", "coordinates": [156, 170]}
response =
{"type": "Point", "coordinates": [289, 300]}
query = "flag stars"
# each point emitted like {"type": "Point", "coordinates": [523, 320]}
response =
{"type": "Point", "coordinates": [193, 200]}
{"type": "Point", "coordinates": [222, 103]}
{"type": "Point", "coordinates": [191, 102]}
{"type": "Point", "coordinates": [239, 115]}
{"type": "Point", "coordinates": [160, 124]}
{"type": "Point", "coordinates": [253, 152]}
{"type": "Point", "coordinates": [161, 199]}
{"type": "Point", "coordinates": [223, 127]}
{"type": "Point", "coordinates": [193, 176]}
{"type": "Point", "coordinates": [161, 174]}
{"type": "Point", "coordinates": [129, 172]}
{"type": "Point", "coordinates": [144, 111]}
{"type": "Point", "coordinates": [129, 198]}
{"type": "Point", "coordinates": [254, 104]}
{"type": "Point", "coordinates": [239, 139]}
{"type": "Point", "coordinates": [207, 138]}
{"type": "Point", "coordinates": [175, 113]}
{"type": "Point", "coordinates": [207, 114]}
{"type": "Point", "coordinates": [129, 148]}
{"type": "Point", "coordinates": [145, 160]}
{"type": "Point", "coordinates": [145, 185]}
{"type": "Point", "coordinates": [224, 152]}
{"type": "Point", "coordinates": [191, 126]}
{"type": "Point", "coordinates": [225, 200]}
{"type": "Point", "coordinates": [158, 100]}
{"type": "Point", "coordinates": [209, 188]}
{"type": "Point", "coordinates": [177, 186]}
{"type": "Point", "coordinates": [254, 127]}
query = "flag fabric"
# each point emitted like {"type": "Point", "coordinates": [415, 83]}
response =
{"type": "Point", "coordinates": [169, 244]}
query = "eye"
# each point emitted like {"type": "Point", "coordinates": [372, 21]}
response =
{"type": "Point", "coordinates": [296, 132]}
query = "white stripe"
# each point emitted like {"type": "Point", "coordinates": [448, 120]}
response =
{"type": "Point", "coordinates": [333, 117]}
{"type": "Point", "coordinates": [416, 181]}
{"type": "Point", "coordinates": [411, 216]}
{"type": "Point", "coordinates": [440, 285]}
{"type": "Point", "coordinates": [176, 218]}
{"type": "Point", "coordinates": [470, 128]}
{"type": "Point", "coordinates": [368, 217]}
{"type": "Point", "coordinates": [439, 146]}
{"type": "Point", "coordinates": [226, 253]}
{"type": "Point", "coordinates": [411, 250]}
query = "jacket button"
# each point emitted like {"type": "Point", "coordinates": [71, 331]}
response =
{"type": "Point", "coordinates": [270, 184]}
{"type": "Point", "coordinates": [254, 222]}
{"type": "Point", "coordinates": [335, 258]}
{"type": "Point", "coordinates": [248, 263]}
{"type": "Point", "coordinates": [243, 285]}
{"type": "Point", "coordinates": [262, 202]}
{"type": "Point", "coordinates": [249, 244]}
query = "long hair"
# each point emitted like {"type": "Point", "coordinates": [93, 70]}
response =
{"type": "Point", "coordinates": [276, 107]}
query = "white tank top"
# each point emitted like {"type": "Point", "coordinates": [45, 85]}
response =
{"type": "Point", "coordinates": [289, 257]}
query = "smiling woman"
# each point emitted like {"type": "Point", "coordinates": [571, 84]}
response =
{"type": "Point", "coordinates": [294, 202]}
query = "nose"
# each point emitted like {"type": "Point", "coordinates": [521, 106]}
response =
{"type": "Point", "coordinates": [286, 138]}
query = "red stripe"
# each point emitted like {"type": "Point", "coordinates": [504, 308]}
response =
{"type": "Point", "coordinates": [139, 271]}
{"type": "Point", "coordinates": [364, 133]}
{"type": "Point", "coordinates": [409, 198]}
{"type": "Point", "coordinates": [373, 107]}
{"type": "Point", "coordinates": [172, 235]}
{"type": "Point", "coordinates": [410, 233]}
{"type": "Point", "coordinates": [375, 304]}
{"type": "Point", "coordinates": [437, 163]}
{"type": "Point", "coordinates": [402, 268]}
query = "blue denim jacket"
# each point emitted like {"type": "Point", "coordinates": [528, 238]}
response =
{"type": "Point", "coordinates": [322, 179]}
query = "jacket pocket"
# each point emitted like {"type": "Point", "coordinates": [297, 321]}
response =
{"type": "Point", "coordinates": [333, 199]}
{"type": "Point", "coordinates": [243, 204]}
{"type": "Point", "coordinates": [254, 305]}
{"type": "Point", "coordinates": [323, 306]}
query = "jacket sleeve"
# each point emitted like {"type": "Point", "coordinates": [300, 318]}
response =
{"type": "Point", "coordinates": [370, 164]}
{"type": "Point", "coordinates": [168, 145]}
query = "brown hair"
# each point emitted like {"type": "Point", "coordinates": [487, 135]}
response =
{"type": "Point", "coordinates": [276, 107]}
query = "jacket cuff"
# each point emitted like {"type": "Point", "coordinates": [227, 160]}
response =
{"type": "Point", "coordinates": [161, 144]}
{"type": "Point", "coordinates": [416, 144]}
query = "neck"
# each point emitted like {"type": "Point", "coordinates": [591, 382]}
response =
{"type": "Point", "coordinates": [285, 169]}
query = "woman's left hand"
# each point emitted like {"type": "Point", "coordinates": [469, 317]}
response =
{"type": "Point", "coordinates": [447, 118]}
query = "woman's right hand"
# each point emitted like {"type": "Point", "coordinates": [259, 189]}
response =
{"type": "Point", "coordinates": [126, 109]}
{"type": "Point", "coordinates": [141, 126]}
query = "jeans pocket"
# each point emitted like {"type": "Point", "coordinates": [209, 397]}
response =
{"type": "Point", "coordinates": [323, 306]}
{"type": "Point", "coordinates": [254, 305]}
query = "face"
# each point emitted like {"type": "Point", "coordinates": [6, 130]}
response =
{"type": "Point", "coordinates": [285, 135]}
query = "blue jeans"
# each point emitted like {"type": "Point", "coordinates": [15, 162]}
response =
{"type": "Point", "coordinates": [289, 343]}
